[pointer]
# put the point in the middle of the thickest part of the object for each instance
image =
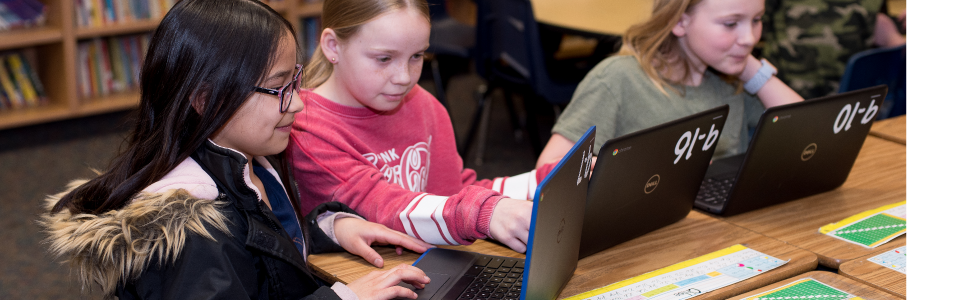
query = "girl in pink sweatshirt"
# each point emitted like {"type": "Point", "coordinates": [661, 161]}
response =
{"type": "Point", "coordinates": [372, 138]}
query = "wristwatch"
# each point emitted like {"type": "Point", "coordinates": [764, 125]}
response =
{"type": "Point", "coordinates": [760, 78]}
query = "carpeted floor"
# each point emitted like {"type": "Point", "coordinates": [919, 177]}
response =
{"type": "Point", "coordinates": [39, 160]}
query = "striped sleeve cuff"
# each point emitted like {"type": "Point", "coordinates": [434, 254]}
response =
{"type": "Point", "coordinates": [423, 219]}
{"type": "Point", "coordinates": [522, 186]}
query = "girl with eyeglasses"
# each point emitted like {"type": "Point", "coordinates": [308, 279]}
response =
{"type": "Point", "coordinates": [199, 204]}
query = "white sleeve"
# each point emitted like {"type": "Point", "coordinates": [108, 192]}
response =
{"type": "Point", "coordinates": [325, 222]}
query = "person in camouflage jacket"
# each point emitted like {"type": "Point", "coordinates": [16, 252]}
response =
{"type": "Point", "coordinates": [810, 41]}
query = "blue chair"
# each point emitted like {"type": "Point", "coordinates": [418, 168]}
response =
{"type": "Point", "coordinates": [509, 56]}
{"type": "Point", "coordinates": [880, 66]}
{"type": "Point", "coordinates": [451, 41]}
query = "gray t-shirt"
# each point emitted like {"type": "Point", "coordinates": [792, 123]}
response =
{"type": "Point", "coordinates": [619, 98]}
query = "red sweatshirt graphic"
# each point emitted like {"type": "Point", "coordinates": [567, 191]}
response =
{"type": "Point", "coordinates": [398, 168]}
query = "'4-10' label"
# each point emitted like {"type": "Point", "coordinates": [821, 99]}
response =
{"type": "Point", "coordinates": [688, 141]}
{"type": "Point", "coordinates": [848, 113]}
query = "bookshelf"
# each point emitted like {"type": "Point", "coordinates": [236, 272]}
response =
{"type": "Point", "coordinates": [56, 46]}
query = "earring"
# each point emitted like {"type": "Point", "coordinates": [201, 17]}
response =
{"type": "Point", "coordinates": [333, 60]}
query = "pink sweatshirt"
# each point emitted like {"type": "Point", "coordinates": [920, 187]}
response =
{"type": "Point", "coordinates": [399, 168]}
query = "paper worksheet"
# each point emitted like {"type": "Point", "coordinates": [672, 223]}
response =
{"type": "Point", "coordinates": [871, 228]}
{"type": "Point", "coordinates": [690, 278]}
{"type": "Point", "coordinates": [895, 259]}
{"type": "Point", "coordinates": [806, 288]}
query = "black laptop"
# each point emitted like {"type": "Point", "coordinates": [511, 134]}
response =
{"type": "Point", "coordinates": [551, 246]}
{"type": "Point", "coordinates": [648, 179]}
{"type": "Point", "coordinates": [798, 150]}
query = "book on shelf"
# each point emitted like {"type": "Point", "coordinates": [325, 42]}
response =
{"type": "Point", "coordinates": [110, 65]}
{"type": "Point", "coordinates": [4, 101]}
{"type": "Point", "coordinates": [30, 65]}
{"type": "Point", "coordinates": [99, 13]}
{"type": "Point", "coordinates": [16, 14]}
{"type": "Point", "coordinates": [19, 82]}
{"type": "Point", "coordinates": [10, 90]}
{"type": "Point", "coordinates": [15, 66]}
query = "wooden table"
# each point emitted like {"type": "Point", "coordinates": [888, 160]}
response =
{"type": "Point", "coordinates": [878, 178]}
{"type": "Point", "coordinates": [892, 129]}
{"type": "Point", "coordinates": [875, 275]}
{"type": "Point", "coordinates": [839, 282]}
{"type": "Point", "coordinates": [896, 7]}
{"type": "Point", "coordinates": [611, 17]}
{"type": "Point", "coordinates": [694, 236]}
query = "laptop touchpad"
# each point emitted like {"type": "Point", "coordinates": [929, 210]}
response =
{"type": "Point", "coordinates": [436, 282]}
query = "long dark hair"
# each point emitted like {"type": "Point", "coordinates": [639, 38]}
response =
{"type": "Point", "coordinates": [204, 56]}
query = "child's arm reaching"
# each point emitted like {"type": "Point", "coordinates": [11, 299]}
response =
{"type": "Point", "coordinates": [330, 169]}
{"type": "Point", "coordinates": [522, 186]}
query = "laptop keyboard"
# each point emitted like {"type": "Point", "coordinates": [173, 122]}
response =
{"type": "Point", "coordinates": [714, 191]}
{"type": "Point", "coordinates": [491, 278]}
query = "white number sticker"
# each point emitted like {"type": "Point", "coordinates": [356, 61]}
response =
{"type": "Point", "coordinates": [688, 140]}
{"type": "Point", "coordinates": [848, 114]}
{"type": "Point", "coordinates": [585, 160]}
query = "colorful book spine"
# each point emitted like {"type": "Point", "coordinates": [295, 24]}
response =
{"type": "Point", "coordinates": [83, 70]}
{"type": "Point", "coordinates": [16, 67]}
{"type": "Point", "coordinates": [137, 54]}
{"type": "Point", "coordinates": [30, 64]}
{"type": "Point", "coordinates": [29, 13]}
{"type": "Point", "coordinates": [8, 19]}
{"type": "Point", "coordinates": [95, 77]}
{"type": "Point", "coordinates": [4, 101]}
{"type": "Point", "coordinates": [122, 10]}
{"type": "Point", "coordinates": [105, 69]}
{"type": "Point", "coordinates": [79, 14]}
{"type": "Point", "coordinates": [155, 10]}
{"type": "Point", "coordinates": [109, 14]}
{"type": "Point", "coordinates": [109, 65]}
{"type": "Point", "coordinates": [120, 81]}
{"type": "Point", "coordinates": [16, 99]}
{"type": "Point", "coordinates": [96, 13]}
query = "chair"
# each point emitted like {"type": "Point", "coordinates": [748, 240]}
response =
{"type": "Point", "coordinates": [880, 66]}
{"type": "Point", "coordinates": [508, 55]}
{"type": "Point", "coordinates": [450, 41]}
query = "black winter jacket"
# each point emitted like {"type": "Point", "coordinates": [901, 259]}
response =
{"type": "Point", "coordinates": [172, 244]}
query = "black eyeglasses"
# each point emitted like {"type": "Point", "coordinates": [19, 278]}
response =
{"type": "Point", "coordinates": [285, 93]}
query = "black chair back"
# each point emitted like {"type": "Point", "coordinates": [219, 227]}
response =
{"type": "Point", "coordinates": [880, 66]}
{"type": "Point", "coordinates": [509, 51]}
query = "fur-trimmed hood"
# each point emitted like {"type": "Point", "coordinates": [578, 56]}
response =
{"type": "Point", "coordinates": [117, 246]}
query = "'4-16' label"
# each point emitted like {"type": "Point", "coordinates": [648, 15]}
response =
{"type": "Point", "coordinates": [688, 141]}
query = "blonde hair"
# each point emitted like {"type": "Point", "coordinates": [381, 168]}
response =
{"type": "Point", "coordinates": [345, 18]}
{"type": "Point", "coordinates": [656, 48]}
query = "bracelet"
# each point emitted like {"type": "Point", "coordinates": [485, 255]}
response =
{"type": "Point", "coordinates": [760, 78]}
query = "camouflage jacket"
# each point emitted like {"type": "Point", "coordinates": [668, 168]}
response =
{"type": "Point", "coordinates": [810, 41]}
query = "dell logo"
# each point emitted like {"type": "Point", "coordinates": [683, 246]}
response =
{"type": "Point", "coordinates": [808, 152]}
{"type": "Point", "coordinates": [652, 184]}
